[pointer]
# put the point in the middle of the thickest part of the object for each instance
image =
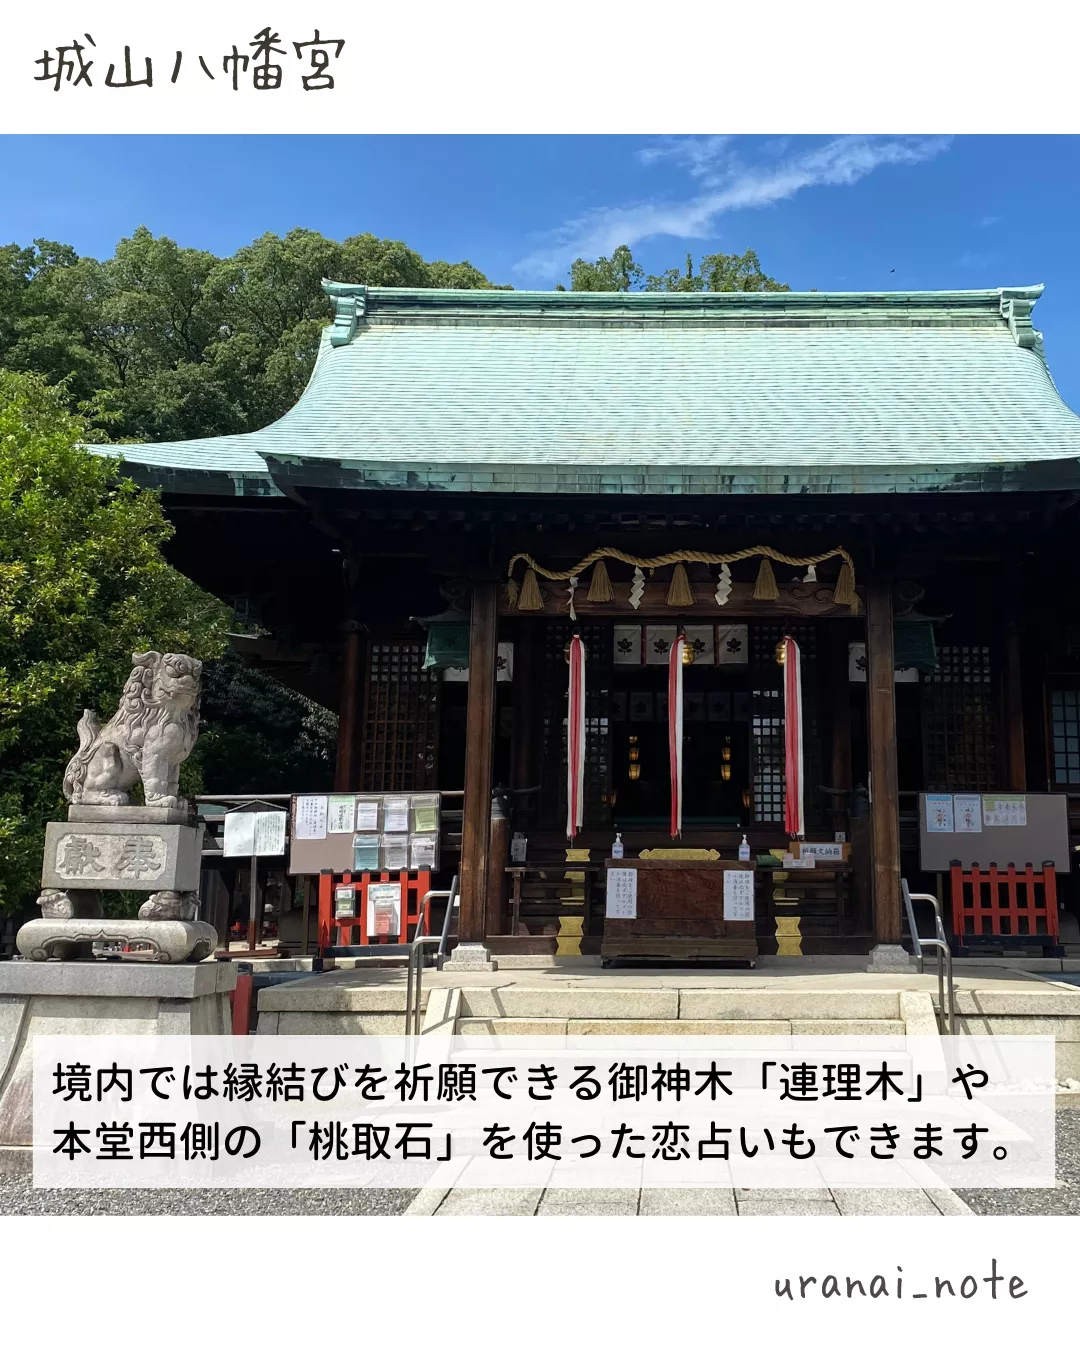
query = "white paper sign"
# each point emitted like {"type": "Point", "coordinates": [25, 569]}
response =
{"type": "Point", "coordinates": [367, 815]}
{"type": "Point", "coordinates": [311, 817]}
{"type": "Point", "coordinates": [621, 893]}
{"type": "Point", "coordinates": [269, 833]}
{"type": "Point", "coordinates": [396, 815]}
{"type": "Point", "coordinates": [967, 813]}
{"type": "Point", "coordinates": [738, 897]}
{"type": "Point", "coordinates": [261, 833]}
{"type": "Point", "coordinates": [341, 815]}
{"type": "Point", "coordinates": [998, 811]}
{"type": "Point", "coordinates": [939, 813]}
{"type": "Point", "coordinates": [239, 834]}
{"type": "Point", "coordinates": [382, 894]}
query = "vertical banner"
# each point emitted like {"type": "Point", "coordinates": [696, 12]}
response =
{"type": "Point", "coordinates": [575, 738]}
{"type": "Point", "coordinates": [793, 740]}
{"type": "Point", "coordinates": [675, 729]}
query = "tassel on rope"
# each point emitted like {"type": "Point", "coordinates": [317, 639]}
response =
{"type": "Point", "coordinates": [680, 594]}
{"type": "Point", "coordinates": [844, 594]}
{"type": "Point", "coordinates": [511, 592]}
{"type": "Point", "coordinates": [530, 597]}
{"type": "Point", "coordinates": [600, 592]}
{"type": "Point", "coordinates": [765, 586]}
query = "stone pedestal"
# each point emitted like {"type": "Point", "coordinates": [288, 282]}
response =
{"type": "Point", "coordinates": [470, 956]}
{"type": "Point", "coordinates": [165, 941]}
{"type": "Point", "coordinates": [95, 999]}
{"type": "Point", "coordinates": [889, 959]}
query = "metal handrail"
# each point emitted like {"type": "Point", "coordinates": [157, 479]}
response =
{"type": "Point", "coordinates": [946, 989]}
{"type": "Point", "coordinates": [415, 979]}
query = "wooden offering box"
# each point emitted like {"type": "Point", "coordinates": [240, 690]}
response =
{"type": "Point", "coordinates": [679, 914]}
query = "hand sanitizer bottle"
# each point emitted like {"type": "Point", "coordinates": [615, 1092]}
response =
{"type": "Point", "coordinates": [617, 847]}
{"type": "Point", "coordinates": [744, 850]}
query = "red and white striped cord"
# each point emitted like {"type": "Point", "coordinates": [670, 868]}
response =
{"type": "Point", "coordinates": [575, 739]}
{"type": "Point", "coordinates": [675, 730]}
{"type": "Point", "coordinates": [793, 740]}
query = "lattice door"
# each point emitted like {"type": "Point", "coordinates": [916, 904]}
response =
{"type": "Point", "coordinates": [598, 667]}
{"type": "Point", "coordinates": [401, 719]}
{"type": "Point", "coordinates": [960, 722]}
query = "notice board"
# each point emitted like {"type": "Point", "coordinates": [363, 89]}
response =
{"type": "Point", "coordinates": [981, 828]}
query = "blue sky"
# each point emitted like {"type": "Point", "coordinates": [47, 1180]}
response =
{"type": "Point", "coordinates": [844, 213]}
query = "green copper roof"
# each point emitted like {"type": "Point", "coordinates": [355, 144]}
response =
{"type": "Point", "coordinates": [496, 391]}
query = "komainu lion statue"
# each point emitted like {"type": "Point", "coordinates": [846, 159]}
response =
{"type": "Point", "coordinates": [148, 738]}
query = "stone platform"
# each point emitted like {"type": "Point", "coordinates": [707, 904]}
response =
{"type": "Point", "coordinates": [95, 998]}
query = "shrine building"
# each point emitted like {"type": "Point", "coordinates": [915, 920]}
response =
{"type": "Point", "coordinates": [883, 488]}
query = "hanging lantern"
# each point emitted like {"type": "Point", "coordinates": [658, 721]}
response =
{"type": "Point", "coordinates": [746, 798]}
{"type": "Point", "coordinates": [726, 753]}
{"type": "Point", "coordinates": [725, 772]}
{"type": "Point", "coordinates": [635, 757]}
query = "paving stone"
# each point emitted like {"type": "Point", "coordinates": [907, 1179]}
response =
{"type": "Point", "coordinates": [860, 1202]}
{"type": "Point", "coordinates": [477, 1201]}
{"type": "Point", "coordinates": [719, 1200]}
{"type": "Point", "coordinates": [564, 1200]}
{"type": "Point", "coordinates": [812, 1209]}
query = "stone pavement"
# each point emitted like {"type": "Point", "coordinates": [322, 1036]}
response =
{"type": "Point", "coordinates": [717, 1202]}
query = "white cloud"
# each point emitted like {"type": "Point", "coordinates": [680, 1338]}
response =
{"type": "Point", "coordinates": [725, 183]}
{"type": "Point", "coordinates": [987, 221]}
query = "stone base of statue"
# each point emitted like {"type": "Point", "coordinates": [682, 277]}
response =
{"type": "Point", "coordinates": [165, 942]}
{"type": "Point", "coordinates": [96, 998]}
{"type": "Point", "coordinates": [120, 848]}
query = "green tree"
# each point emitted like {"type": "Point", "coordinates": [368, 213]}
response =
{"type": "Point", "coordinates": [717, 272]}
{"type": "Point", "coordinates": [617, 273]}
{"type": "Point", "coordinates": [160, 342]}
{"type": "Point", "coordinates": [83, 584]}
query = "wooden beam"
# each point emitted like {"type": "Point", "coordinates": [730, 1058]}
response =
{"type": "Point", "coordinates": [479, 747]}
{"type": "Point", "coordinates": [881, 730]}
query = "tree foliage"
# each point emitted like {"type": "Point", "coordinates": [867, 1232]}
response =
{"type": "Point", "coordinates": [716, 272]}
{"type": "Point", "coordinates": [83, 584]}
{"type": "Point", "coordinates": [160, 342]}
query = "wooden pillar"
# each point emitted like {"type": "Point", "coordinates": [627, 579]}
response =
{"type": "Point", "coordinates": [479, 748]}
{"type": "Point", "coordinates": [881, 730]}
{"type": "Point", "coordinates": [498, 858]}
{"type": "Point", "coordinates": [1015, 749]}
{"type": "Point", "coordinates": [349, 701]}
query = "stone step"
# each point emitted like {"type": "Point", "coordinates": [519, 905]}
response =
{"type": "Point", "coordinates": [651, 1004]}
{"type": "Point", "coordinates": [561, 1026]}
